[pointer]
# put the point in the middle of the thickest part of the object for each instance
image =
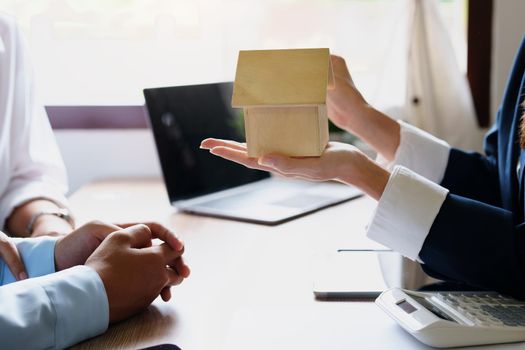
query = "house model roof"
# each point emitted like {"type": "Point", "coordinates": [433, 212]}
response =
{"type": "Point", "coordinates": [282, 77]}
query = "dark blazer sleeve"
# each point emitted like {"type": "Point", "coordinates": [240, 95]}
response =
{"type": "Point", "coordinates": [478, 236]}
{"type": "Point", "coordinates": [473, 175]}
{"type": "Point", "coordinates": [478, 244]}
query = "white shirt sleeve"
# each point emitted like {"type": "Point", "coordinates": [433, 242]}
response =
{"type": "Point", "coordinates": [30, 161]}
{"type": "Point", "coordinates": [421, 152]}
{"type": "Point", "coordinates": [406, 211]}
{"type": "Point", "coordinates": [412, 197]}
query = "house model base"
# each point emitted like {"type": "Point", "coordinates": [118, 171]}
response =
{"type": "Point", "coordinates": [290, 131]}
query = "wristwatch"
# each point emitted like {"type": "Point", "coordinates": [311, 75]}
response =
{"type": "Point", "coordinates": [62, 213]}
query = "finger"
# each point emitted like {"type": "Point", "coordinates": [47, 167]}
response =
{"type": "Point", "coordinates": [211, 143]}
{"type": "Point", "coordinates": [127, 224]}
{"type": "Point", "coordinates": [12, 258]}
{"type": "Point", "coordinates": [240, 157]}
{"type": "Point", "coordinates": [181, 267]}
{"type": "Point", "coordinates": [174, 278]}
{"type": "Point", "coordinates": [103, 229]}
{"type": "Point", "coordinates": [339, 66]}
{"type": "Point", "coordinates": [140, 235]}
{"type": "Point", "coordinates": [169, 254]}
{"type": "Point", "coordinates": [165, 293]}
{"type": "Point", "coordinates": [163, 233]}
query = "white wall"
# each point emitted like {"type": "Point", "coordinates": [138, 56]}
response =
{"type": "Point", "coordinates": [509, 27]}
{"type": "Point", "coordinates": [100, 154]}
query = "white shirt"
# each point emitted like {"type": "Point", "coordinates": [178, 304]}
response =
{"type": "Point", "coordinates": [50, 310]}
{"type": "Point", "coordinates": [412, 197]}
{"type": "Point", "coordinates": [30, 163]}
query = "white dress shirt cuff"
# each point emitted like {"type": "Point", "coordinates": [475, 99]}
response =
{"type": "Point", "coordinates": [38, 255]}
{"type": "Point", "coordinates": [406, 211]}
{"type": "Point", "coordinates": [80, 303]}
{"type": "Point", "coordinates": [421, 152]}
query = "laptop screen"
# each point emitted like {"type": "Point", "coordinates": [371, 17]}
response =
{"type": "Point", "coordinates": [181, 117]}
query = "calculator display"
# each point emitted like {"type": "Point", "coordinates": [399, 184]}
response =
{"type": "Point", "coordinates": [432, 308]}
{"type": "Point", "coordinates": [406, 306]}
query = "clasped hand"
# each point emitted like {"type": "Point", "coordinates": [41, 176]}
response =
{"type": "Point", "coordinates": [133, 270]}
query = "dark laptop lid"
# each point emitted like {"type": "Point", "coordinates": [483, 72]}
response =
{"type": "Point", "coordinates": [181, 117]}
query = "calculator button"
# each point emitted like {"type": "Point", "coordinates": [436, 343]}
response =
{"type": "Point", "coordinates": [495, 321]}
{"type": "Point", "coordinates": [482, 323]}
{"type": "Point", "coordinates": [486, 309]}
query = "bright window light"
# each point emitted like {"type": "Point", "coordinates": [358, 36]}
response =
{"type": "Point", "coordinates": [105, 52]}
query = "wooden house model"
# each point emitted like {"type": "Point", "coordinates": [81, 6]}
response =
{"type": "Point", "coordinates": [283, 93]}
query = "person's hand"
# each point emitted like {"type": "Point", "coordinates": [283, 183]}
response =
{"type": "Point", "coordinates": [134, 271]}
{"type": "Point", "coordinates": [339, 162]}
{"type": "Point", "coordinates": [162, 233]}
{"type": "Point", "coordinates": [344, 102]}
{"type": "Point", "coordinates": [11, 257]}
{"type": "Point", "coordinates": [74, 248]}
{"type": "Point", "coordinates": [347, 109]}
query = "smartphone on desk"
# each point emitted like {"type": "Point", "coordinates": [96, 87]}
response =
{"type": "Point", "coordinates": [363, 274]}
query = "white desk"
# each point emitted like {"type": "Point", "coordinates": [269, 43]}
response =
{"type": "Point", "coordinates": [251, 285]}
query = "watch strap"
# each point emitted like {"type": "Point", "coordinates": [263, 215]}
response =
{"type": "Point", "coordinates": [62, 213]}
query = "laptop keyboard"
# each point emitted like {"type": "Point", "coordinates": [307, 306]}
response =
{"type": "Point", "coordinates": [295, 200]}
{"type": "Point", "coordinates": [232, 201]}
{"type": "Point", "coordinates": [301, 201]}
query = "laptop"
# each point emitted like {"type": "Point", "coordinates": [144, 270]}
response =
{"type": "Point", "coordinates": [201, 183]}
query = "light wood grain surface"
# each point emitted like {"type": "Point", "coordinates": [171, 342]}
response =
{"type": "Point", "coordinates": [290, 131]}
{"type": "Point", "coordinates": [282, 77]}
{"type": "Point", "coordinates": [251, 285]}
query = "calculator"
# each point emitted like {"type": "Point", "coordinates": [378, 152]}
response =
{"type": "Point", "coordinates": [450, 319]}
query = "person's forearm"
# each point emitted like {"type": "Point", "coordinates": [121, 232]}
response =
{"type": "Point", "coordinates": [368, 176]}
{"type": "Point", "coordinates": [374, 180]}
{"type": "Point", "coordinates": [17, 222]}
{"type": "Point", "coordinates": [378, 130]}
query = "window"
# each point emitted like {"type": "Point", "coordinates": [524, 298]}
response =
{"type": "Point", "coordinates": [106, 51]}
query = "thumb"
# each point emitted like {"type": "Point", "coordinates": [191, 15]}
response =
{"type": "Point", "coordinates": [339, 66]}
{"type": "Point", "coordinates": [9, 253]}
{"type": "Point", "coordinates": [140, 236]}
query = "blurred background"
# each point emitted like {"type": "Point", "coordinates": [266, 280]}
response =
{"type": "Point", "coordinates": [93, 58]}
{"type": "Point", "coordinates": [104, 52]}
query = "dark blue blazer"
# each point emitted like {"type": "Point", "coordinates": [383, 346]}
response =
{"type": "Point", "coordinates": [478, 237]}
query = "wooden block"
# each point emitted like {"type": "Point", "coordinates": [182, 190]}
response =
{"type": "Point", "coordinates": [283, 93]}
{"type": "Point", "coordinates": [282, 77]}
{"type": "Point", "coordinates": [297, 131]}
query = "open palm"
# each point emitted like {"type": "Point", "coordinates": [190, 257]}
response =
{"type": "Point", "coordinates": [338, 161]}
